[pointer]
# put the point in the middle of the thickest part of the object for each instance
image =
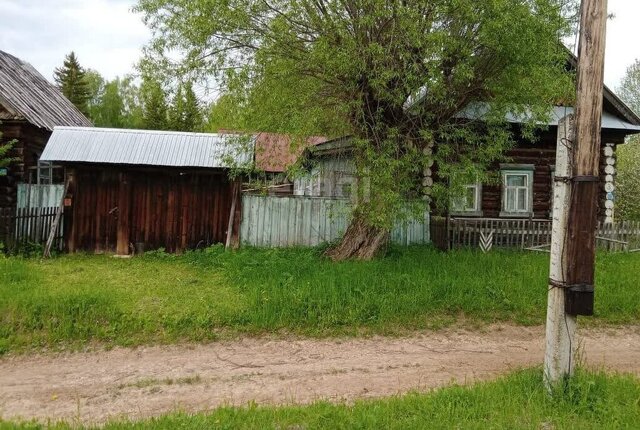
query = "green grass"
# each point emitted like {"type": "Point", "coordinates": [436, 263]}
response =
{"type": "Point", "coordinates": [74, 300]}
{"type": "Point", "coordinates": [518, 401]}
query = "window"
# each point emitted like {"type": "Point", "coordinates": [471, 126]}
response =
{"type": "Point", "coordinates": [517, 194]}
{"type": "Point", "coordinates": [469, 203]}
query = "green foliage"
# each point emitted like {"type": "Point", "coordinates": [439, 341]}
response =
{"type": "Point", "coordinates": [393, 74]}
{"type": "Point", "coordinates": [185, 113]}
{"type": "Point", "coordinates": [72, 80]}
{"type": "Point", "coordinates": [205, 295]}
{"type": "Point", "coordinates": [116, 103]}
{"type": "Point", "coordinates": [628, 181]}
{"type": "Point", "coordinates": [628, 156]}
{"type": "Point", "coordinates": [592, 400]}
{"type": "Point", "coordinates": [154, 110]}
{"type": "Point", "coordinates": [5, 148]}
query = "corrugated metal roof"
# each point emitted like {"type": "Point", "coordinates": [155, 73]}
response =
{"type": "Point", "coordinates": [476, 111]}
{"type": "Point", "coordinates": [27, 95]}
{"type": "Point", "coordinates": [148, 147]}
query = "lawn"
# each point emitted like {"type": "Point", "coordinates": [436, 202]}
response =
{"type": "Point", "coordinates": [518, 401]}
{"type": "Point", "coordinates": [75, 300]}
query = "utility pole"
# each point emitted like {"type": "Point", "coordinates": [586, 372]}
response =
{"type": "Point", "coordinates": [572, 272]}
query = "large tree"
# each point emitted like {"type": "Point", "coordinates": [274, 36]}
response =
{"type": "Point", "coordinates": [72, 80]}
{"type": "Point", "coordinates": [393, 74]}
{"type": "Point", "coordinates": [628, 180]}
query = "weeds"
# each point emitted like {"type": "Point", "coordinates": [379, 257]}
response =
{"type": "Point", "coordinates": [201, 296]}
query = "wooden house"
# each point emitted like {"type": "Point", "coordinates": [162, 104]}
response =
{"type": "Point", "coordinates": [526, 175]}
{"type": "Point", "coordinates": [30, 108]}
{"type": "Point", "coordinates": [134, 190]}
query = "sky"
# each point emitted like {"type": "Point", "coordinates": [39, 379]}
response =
{"type": "Point", "coordinates": [108, 37]}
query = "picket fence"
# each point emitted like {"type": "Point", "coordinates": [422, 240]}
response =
{"type": "Point", "coordinates": [275, 221]}
{"type": "Point", "coordinates": [20, 226]}
{"type": "Point", "coordinates": [531, 234]}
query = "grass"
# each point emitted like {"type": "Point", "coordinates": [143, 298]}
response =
{"type": "Point", "coordinates": [74, 300]}
{"type": "Point", "coordinates": [518, 401]}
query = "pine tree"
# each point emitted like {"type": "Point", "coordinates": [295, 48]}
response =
{"type": "Point", "coordinates": [176, 113]}
{"type": "Point", "coordinates": [186, 113]}
{"type": "Point", "coordinates": [72, 81]}
{"type": "Point", "coordinates": [193, 118]}
{"type": "Point", "coordinates": [154, 115]}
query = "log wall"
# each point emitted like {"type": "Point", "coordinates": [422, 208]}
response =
{"type": "Point", "coordinates": [30, 142]}
{"type": "Point", "coordinates": [541, 155]}
{"type": "Point", "coordinates": [125, 209]}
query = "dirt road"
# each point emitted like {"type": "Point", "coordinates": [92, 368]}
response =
{"type": "Point", "coordinates": [135, 383]}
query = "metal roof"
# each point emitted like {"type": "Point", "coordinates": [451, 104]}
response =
{"type": "Point", "coordinates": [148, 147]}
{"type": "Point", "coordinates": [26, 95]}
{"type": "Point", "coordinates": [476, 111]}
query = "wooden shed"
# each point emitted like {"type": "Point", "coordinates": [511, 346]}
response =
{"type": "Point", "coordinates": [133, 190]}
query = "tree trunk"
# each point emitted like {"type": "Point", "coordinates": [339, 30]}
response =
{"type": "Point", "coordinates": [361, 241]}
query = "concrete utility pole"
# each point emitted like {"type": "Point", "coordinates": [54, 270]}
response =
{"type": "Point", "coordinates": [571, 283]}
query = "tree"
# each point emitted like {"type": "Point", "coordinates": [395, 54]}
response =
{"type": "Point", "coordinates": [154, 111]}
{"type": "Point", "coordinates": [72, 80]}
{"type": "Point", "coordinates": [628, 180]}
{"type": "Point", "coordinates": [5, 147]}
{"type": "Point", "coordinates": [394, 74]}
{"type": "Point", "coordinates": [185, 113]}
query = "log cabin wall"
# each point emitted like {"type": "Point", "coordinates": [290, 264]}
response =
{"type": "Point", "coordinates": [541, 155]}
{"type": "Point", "coordinates": [146, 208]}
{"type": "Point", "coordinates": [30, 142]}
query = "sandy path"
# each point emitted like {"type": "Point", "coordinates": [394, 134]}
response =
{"type": "Point", "coordinates": [135, 383]}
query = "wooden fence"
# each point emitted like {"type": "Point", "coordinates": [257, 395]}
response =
{"type": "Point", "coordinates": [39, 196]}
{"type": "Point", "coordinates": [532, 234]}
{"type": "Point", "coordinates": [29, 225]}
{"type": "Point", "coordinates": [273, 221]}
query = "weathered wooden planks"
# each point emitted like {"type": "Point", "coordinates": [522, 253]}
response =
{"type": "Point", "coordinates": [158, 208]}
{"type": "Point", "coordinates": [273, 221]}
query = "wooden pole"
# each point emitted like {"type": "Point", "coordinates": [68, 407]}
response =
{"type": "Point", "coordinates": [573, 293]}
{"type": "Point", "coordinates": [559, 356]}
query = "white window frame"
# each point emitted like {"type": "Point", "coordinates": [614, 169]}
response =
{"type": "Point", "coordinates": [523, 170]}
{"type": "Point", "coordinates": [475, 209]}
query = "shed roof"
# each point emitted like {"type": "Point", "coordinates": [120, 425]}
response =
{"type": "Point", "coordinates": [26, 95]}
{"type": "Point", "coordinates": [148, 147]}
{"type": "Point", "coordinates": [276, 152]}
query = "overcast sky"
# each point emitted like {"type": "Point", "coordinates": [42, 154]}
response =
{"type": "Point", "coordinates": [108, 37]}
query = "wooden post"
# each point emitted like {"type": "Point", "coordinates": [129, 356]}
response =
{"type": "Point", "coordinates": [235, 190]}
{"type": "Point", "coordinates": [560, 328]}
{"type": "Point", "coordinates": [124, 203]}
{"type": "Point", "coordinates": [572, 293]}
{"type": "Point", "coordinates": [585, 189]}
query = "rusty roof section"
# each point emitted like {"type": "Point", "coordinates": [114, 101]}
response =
{"type": "Point", "coordinates": [26, 95]}
{"type": "Point", "coordinates": [275, 152]}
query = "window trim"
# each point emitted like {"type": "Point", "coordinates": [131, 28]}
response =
{"type": "Point", "coordinates": [526, 170]}
{"type": "Point", "coordinates": [477, 210]}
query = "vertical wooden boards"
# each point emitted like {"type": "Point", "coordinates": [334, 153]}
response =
{"type": "Point", "coordinates": [274, 221]}
{"type": "Point", "coordinates": [165, 209]}
{"type": "Point", "coordinates": [124, 214]}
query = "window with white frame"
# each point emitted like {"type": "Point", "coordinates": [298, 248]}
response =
{"type": "Point", "coordinates": [517, 190]}
{"type": "Point", "coordinates": [469, 202]}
